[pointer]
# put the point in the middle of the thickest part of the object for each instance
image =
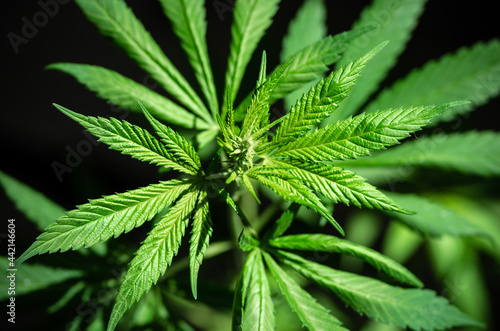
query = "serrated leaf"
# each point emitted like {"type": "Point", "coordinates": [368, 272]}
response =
{"type": "Point", "coordinates": [359, 135]}
{"type": "Point", "coordinates": [36, 206]}
{"type": "Point", "coordinates": [392, 21]}
{"type": "Point", "coordinates": [433, 218]}
{"type": "Point", "coordinates": [101, 219]}
{"type": "Point", "coordinates": [312, 62]}
{"type": "Point", "coordinates": [258, 309]}
{"type": "Point", "coordinates": [326, 243]}
{"type": "Point", "coordinates": [125, 92]}
{"type": "Point", "coordinates": [130, 140]}
{"type": "Point", "coordinates": [307, 27]}
{"type": "Point", "coordinates": [31, 277]}
{"type": "Point", "coordinates": [257, 114]}
{"type": "Point", "coordinates": [321, 100]}
{"type": "Point", "coordinates": [116, 20]}
{"type": "Point", "coordinates": [291, 190]}
{"type": "Point", "coordinates": [475, 153]}
{"type": "Point", "coordinates": [188, 21]}
{"type": "Point", "coordinates": [251, 20]}
{"type": "Point", "coordinates": [282, 223]}
{"type": "Point", "coordinates": [176, 144]}
{"type": "Point", "coordinates": [471, 73]}
{"type": "Point", "coordinates": [338, 184]}
{"type": "Point", "coordinates": [417, 309]}
{"type": "Point", "coordinates": [200, 237]}
{"type": "Point", "coordinates": [154, 256]}
{"type": "Point", "coordinates": [241, 290]}
{"type": "Point", "coordinates": [312, 314]}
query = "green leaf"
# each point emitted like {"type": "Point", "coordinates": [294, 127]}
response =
{"type": "Point", "coordinates": [251, 20]}
{"type": "Point", "coordinates": [321, 100]}
{"type": "Point", "coordinates": [291, 190]}
{"type": "Point", "coordinates": [258, 308]}
{"type": "Point", "coordinates": [200, 237]}
{"type": "Point", "coordinates": [31, 277]}
{"type": "Point", "coordinates": [393, 22]}
{"type": "Point", "coordinates": [326, 243]}
{"type": "Point", "coordinates": [154, 256]}
{"type": "Point", "coordinates": [311, 63]}
{"type": "Point", "coordinates": [36, 206]}
{"type": "Point", "coordinates": [433, 218]}
{"type": "Point", "coordinates": [471, 73]}
{"type": "Point", "coordinates": [413, 308]}
{"type": "Point", "coordinates": [188, 21]}
{"type": "Point", "coordinates": [242, 287]}
{"type": "Point", "coordinates": [359, 135]}
{"type": "Point", "coordinates": [101, 219]}
{"type": "Point", "coordinates": [67, 297]}
{"type": "Point", "coordinates": [130, 140]}
{"type": "Point", "coordinates": [312, 314]}
{"type": "Point", "coordinates": [116, 20]}
{"type": "Point", "coordinates": [338, 184]}
{"type": "Point", "coordinates": [307, 27]}
{"type": "Point", "coordinates": [475, 153]}
{"type": "Point", "coordinates": [176, 144]}
{"type": "Point", "coordinates": [257, 114]}
{"type": "Point", "coordinates": [282, 223]}
{"type": "Point", "coordinates": [124, 92]}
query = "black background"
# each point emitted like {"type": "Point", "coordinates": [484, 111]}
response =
{"type": "Point", "coordinates": [33, 134]}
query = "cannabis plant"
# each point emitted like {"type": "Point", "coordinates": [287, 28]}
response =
{"type": "Point", "coordinates": [227, 146]}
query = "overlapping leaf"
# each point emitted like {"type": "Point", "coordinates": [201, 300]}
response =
{"type": "Point", "coordinates": [472, 152]}
{"type": "Point", "coordinates": [321, 100]}
{"type": "Point", "coordinates": [116, 20]}
{"type": "Point", "coordinates": [414, 308]}
{"type": "Point", "coordinates": [124, 92]}
{"type": "Point", "coordinates": [326, 243]}
{"type": "Point", "coordinates": [312, 314]}
{"type": "Point", "coordinates": [391, 21]}
{"type": "Point", "coordinates": [358, 136]}
{"type": "Point", "coordinates": [101, 219]}
{"type": "Point", "coordinates": [154, 256]}
{"type": "Point", "coordinates": [472, 73]}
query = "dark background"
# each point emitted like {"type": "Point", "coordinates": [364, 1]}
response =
{"type": "Point", "coordinates": [34, 134]}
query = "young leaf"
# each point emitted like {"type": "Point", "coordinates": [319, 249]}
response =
{"type": "Point", "coordinates": [433, 218]}
{"type": "Point", "coordinates": [188, 20]}
{"type": "Point", "coordinates": [154, 256]}
{"type": "Point", "coordinates": [176, 144]}
{"type": "Point", "coordinates": [258, 308]}
{"type": "Point", "coordinates": [338, 184]}
{"type": "Point", "coordinates": [394, 22]}
{"type": "Point", "coordinates": [312, 314]}
{"type": "Point", "coordinates": [33, 277]}
{"type": "Point", "coordinates": [291, 190]}
{"type": "Point", "coordinates": [475, 153]}
{"type": "Point", "coordinates": [116, 20]}
{"type": "Point", "coordinates": [200, 237]}
{"type": "Point", "coordinates": [326, 243]}
{"type": "Point", "coordinates": [359, 135]}
{"type": "Point", "coordinates": [130, 140]}
{"type": "Point", "coordinates": [36, 206]}
{"type": "Point", "coordinates": [413, 308]}
{"type": "Point", "coordinates": [469, 74]}
{"type": "Point", "coordinates": [124, 92]}
{"type": "Point", "coordinates": [307, 27]}
{"type": "Point", "coordinates": [321, 100]}
{"type": "Point", "coordinates": [251, 20]}
{"type": "Point", "coordinates": [282, 223]}
{"type": "Point", "coordinates": [101, 219]}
